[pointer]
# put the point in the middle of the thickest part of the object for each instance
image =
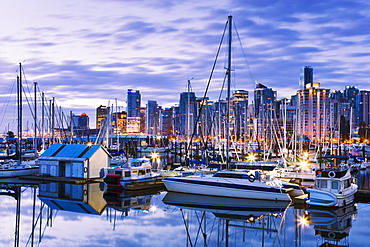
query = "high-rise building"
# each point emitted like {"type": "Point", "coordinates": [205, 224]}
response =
{"type": "Point", "coordinates": [240, 113]}
{"type": "Point", "coordinates": [206, 118]}
{"type": "Point", "coordinates": [80, 121]}
{"type": "Point", "coordinates": [350, 93]}
{"type": "Point", "coordinates": [101, 115]}
{"type": "Point", "coordinates": [152, 118]}
{"type": "Point", "coordinates": [313, 112]}
{"type": "Point", "coordinates": [188, 113]}
{"type": "Point", "coordinates": [264, 111]}
{"type": "Point", "coordinates": [363, 107]}
{"type": "Point", "coordinates": [167, 127]}
{"type": "Point", "coordinates": [142, 119]}
{"type": "Point", "coordinates": [264, 99]}
{"type": "Point", "coordinates": [133, 103]}
{"type": "Point", "coordinates": [119, 122]}
{"type": "Point", "coordinates": [306, 77]}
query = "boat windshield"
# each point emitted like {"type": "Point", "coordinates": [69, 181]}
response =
{"type": "Point", "coordinates": [232, 175]}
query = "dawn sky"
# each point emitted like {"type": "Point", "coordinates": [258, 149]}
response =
{"type": "Point", "coordinates": [88, 53]}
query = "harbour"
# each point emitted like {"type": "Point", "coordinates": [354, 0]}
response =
{"type": "Point", "coordinates": [277, 172]}
{"type": "Point", "coordinates": [55, 214]}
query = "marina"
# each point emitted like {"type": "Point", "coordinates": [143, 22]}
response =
{"type": "Point", "coordinates": [48, 214]}
{"type": "Point", "coordinates": [276, 172]}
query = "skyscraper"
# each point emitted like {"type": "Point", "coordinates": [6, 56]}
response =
{"type": "Point", "coordinates": [80, 122]}
{"type": "Point", "coordinates": [188, 113]}
{"type": "Point", "coordinates": [240, 110]}
{"type": "Point", "coordinates": [264, 111]}
{"type": "Point", "coordinates": [313, 112]}
{"type": "Point", "coordinates": [363, 107]}
{"type": "Point", "coordinates": [133, 103]}
{"type": "Point", "coordinates": [133, 111]}
{"type": "Point", "coordinates": [167, 126]}
{"type": "Point", "coordinates": [101, 115]}
{"type": "Point", "coordinates": [306, 77]}
{"type": "Point", "coordinates": [264, 99]}
{"type": "Point", "coordinates": [152, 118]}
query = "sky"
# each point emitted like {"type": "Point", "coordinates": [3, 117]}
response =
{"type": "Point", "coordinates": [88, 53]}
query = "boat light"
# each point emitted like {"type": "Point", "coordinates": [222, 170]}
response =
{"type": "Point", "coordinates": [154, 155]}
{"type": "Point", "coordinates": [302, 221]}
{"type": "Point", "coordinates": [251, 157]}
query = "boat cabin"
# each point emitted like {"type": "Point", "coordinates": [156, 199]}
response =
{"type": "Point", "coordinates": [133, 169]}
{"type": "Point", "coordinates": [333, 180]}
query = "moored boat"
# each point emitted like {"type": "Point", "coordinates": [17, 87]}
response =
{"type": "Point", "coordinates": [13, 169]}
{"type": "Point", "coordinates": [333, 188]}
{"type": "Point", "coordinates": [134, 171]}
{"type": "Point", "coordinates": [228, 183]}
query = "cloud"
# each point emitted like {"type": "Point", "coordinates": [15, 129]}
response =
{"type": "Point", "coordinates": [87, 54]}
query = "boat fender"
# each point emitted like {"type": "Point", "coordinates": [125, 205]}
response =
{"type": "Point", "coordinates": [86, 169]}
{"type": "Point", "coordinates": [251, 178]}
{"type": "Point", "coordinates": [331, 174]}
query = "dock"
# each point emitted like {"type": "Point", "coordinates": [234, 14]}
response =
{"type": "Point", "coordinates": [70, 180]}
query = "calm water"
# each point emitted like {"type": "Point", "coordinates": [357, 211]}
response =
{"type": "Point", "coordinates": [87, 215]}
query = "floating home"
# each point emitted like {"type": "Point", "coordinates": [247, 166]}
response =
{"type": "Point", "coordinates": [74, 160]}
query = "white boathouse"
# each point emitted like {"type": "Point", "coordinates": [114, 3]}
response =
{"type": "Point", "coordinates": [74, 160]}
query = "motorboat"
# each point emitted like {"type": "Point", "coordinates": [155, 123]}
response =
{"type": "Point", "coordinates": [230, 183]}
{"type": "Point", "coordinates": [133, 171]}
{"type": "Point", "coordinates": [333, 188]}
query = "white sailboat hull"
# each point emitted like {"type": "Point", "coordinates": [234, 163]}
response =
{"type": "Point", "coordinates": [16, 172]}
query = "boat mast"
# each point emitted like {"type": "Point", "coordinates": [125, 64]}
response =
{"type": "Point", "coordinates": [228, 93]}
{"type": "Point", "coordinates": [19, 84]}
{"type": "Point", "coordinates": [35, 119]}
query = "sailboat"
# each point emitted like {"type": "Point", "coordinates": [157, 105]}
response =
{"type": "Point", "coordinates": [228, 183]}
{"type": "Point", "coordinates": [12, 168]}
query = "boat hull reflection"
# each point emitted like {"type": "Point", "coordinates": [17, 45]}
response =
{"type": "Point", "coordinates": [222, 204]}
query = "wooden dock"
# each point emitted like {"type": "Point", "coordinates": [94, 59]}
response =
{"type": "Point", "coordinates": [61, 179]}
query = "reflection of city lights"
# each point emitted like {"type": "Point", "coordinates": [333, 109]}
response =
{"type": "Point", "coordinates": [153, 208]}
{"type": "Point", "coordinates": [154, 155]}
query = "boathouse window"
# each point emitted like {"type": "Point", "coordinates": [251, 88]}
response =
{"type": "Point", "coordinates": [334, 185]}
{"type": "Point", "coordinates": [127, 174]}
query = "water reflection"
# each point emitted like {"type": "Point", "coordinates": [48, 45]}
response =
{"type": "Point", "coordinates": [79, 198]}
{"type": "Point", "coordinates": [60, 214]}
{"type": "Point", "coordinates": [119, 200]}
{"type": "Point", "coordinates": [242, 221]}
{"type": "Point", "coordinates": [332, 225]}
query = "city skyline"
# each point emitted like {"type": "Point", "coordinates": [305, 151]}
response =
{"type": "Point", "coordinates": [88, 53]}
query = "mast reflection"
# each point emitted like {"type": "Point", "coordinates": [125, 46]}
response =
{"type": "Point", "coordinates": [233, 217]}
